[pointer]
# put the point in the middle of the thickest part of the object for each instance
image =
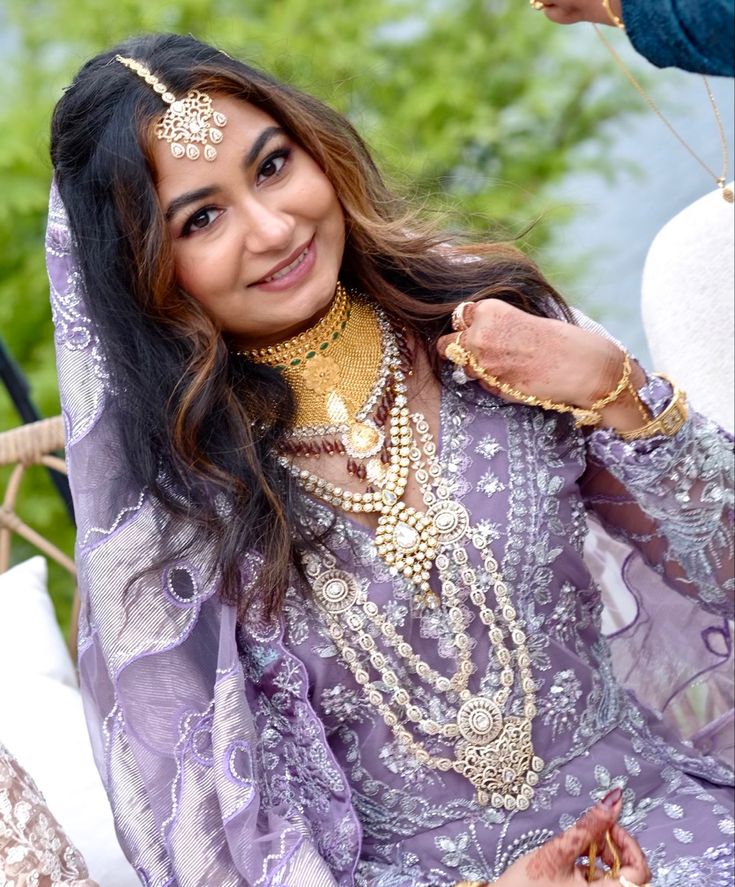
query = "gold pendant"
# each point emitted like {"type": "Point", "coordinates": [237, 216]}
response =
{"type": "Point", "coordinates": [363, 439]}
{"type": "Point", "coordinates": [376, 472]}
{"type": "Point", "coordinates": [451, 519]}
{"type": "Point", "coordinates": [406, 539]}
{"type": "Point", "coordinates": [336, 591]}
{"type": "Point", "coordinates": [479, 720]}
{"type": "Point", "coordinates": [505, 770]}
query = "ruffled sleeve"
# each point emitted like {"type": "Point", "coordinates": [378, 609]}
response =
{"type": "Point", "coordinates": [671, 498]}
{"type": "Point", "coordinates": [667, 503]}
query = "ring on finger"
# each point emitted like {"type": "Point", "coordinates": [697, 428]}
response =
{"type": "Point", "coordinates": [456, 352]}
{"type": "Point", "coordinates": [537, 4]}
{"type": "Point", "coordinates": [459, 324]}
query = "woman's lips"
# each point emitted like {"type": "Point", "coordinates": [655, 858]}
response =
{"type": "Point", "coordinates": [292, 273]}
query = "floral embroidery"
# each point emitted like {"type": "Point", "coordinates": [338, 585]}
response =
{"type": "Point", "coordinates": [558, 708]}
{"type": "Point", "coordinates": [537, 517]}
{"type": "Point", "coordinates": [33, 846]}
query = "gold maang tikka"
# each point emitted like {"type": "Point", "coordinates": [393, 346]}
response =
{"type": "Point", "coordinates": [188, 123]}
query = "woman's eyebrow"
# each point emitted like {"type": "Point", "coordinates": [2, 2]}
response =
{"type": "Point", "coordinates": [178, 203]}
{"type": "Point", "coordinates": [265, 136]}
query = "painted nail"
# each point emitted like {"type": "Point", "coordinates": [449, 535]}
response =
{"type": "Point", "coordinates": [612, 798]}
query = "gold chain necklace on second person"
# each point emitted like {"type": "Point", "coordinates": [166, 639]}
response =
{"type": "Point", "coordinates": [721, 179]}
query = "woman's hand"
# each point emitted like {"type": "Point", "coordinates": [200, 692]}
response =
{"type": "Point", "coordinates": [555, 863]}
{"type": "Point", "coordinates": [568, 12]}
{"type": "Point", "coordinates": [547, 358]}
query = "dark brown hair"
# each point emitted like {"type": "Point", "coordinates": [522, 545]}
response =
{"type": "Point", "coordinates": [200, 427]}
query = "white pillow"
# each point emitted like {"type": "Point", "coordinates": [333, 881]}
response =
{"type": "Point", "coordinates": [30, 639]}
{"type": "Point", "coordinates": [42, 722]}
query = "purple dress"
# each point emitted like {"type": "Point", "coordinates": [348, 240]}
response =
{"type": "Point", "coordinates": [247, 754]}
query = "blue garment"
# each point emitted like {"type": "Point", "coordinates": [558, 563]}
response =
{"type": "Point", "coordinates": [693, 35]}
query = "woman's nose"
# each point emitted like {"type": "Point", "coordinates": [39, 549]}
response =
{"type": "Point", "coordinates": [267, 229]}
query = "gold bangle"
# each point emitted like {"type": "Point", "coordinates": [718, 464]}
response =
{"type": "Point", "coordinates": [615, 19]}
{"type": "Point", "coordinates": [668, 423]}
{"type": "Point", "coordinates": [460, 356]}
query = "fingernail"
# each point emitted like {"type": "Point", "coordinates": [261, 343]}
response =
{"type": "Point", "coordinates": [612, 798]}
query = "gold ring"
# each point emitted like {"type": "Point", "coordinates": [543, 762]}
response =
{"type": "Point", "coordinates": [458, 321]}
{"type": "Point", "coordinates": [537, 4]}
{"type": "Point", "coordinates": [456, 353]}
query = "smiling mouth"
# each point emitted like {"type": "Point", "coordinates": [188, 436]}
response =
{"type": "Point", "coordinates": [287, 269]}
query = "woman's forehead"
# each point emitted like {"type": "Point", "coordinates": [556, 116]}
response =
{"type": "Point", "coordinates": [245, 128]}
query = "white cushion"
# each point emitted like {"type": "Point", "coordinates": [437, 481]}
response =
{"type": "Point", "coordinates": [30, 638]}
{"type": "Point", "coordinates": [42, 722]}
{"type": "Point", "coordinates": [688, 308]}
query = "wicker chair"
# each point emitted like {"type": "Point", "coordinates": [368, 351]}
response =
{"type": "Point", "coordinates": [23, 447]}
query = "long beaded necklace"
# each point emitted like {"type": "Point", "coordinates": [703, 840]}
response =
{"type": "Point", "coordinates": [492, 749]}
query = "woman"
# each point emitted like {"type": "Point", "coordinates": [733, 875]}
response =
{"type": "Point", "coordinates": [336, 623]}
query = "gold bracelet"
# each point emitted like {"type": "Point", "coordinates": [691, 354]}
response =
{"type": "Point", "coordinates": [460, 356]}
{"type": "Point", "coordinates": [615, 19]}
{"type": "Point", "coordinates": [473, 884]}
{"type": "Point", "coordinates": [619, 388]}
{"type": "Point", "coordinates": [670, 420]}
{"type": "Point", "coordinates": [645, 415]}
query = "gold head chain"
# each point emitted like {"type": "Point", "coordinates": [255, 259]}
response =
{"type": "Point", "coordinates": [191, 125]}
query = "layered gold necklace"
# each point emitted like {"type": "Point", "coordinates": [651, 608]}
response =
{"type": "Point", "coordinates": [486, 744]}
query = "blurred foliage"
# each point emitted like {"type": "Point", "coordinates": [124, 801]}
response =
{"type": "Point", "coordinates": [476, 106]}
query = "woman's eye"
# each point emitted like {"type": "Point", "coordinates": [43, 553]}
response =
{"type": "Point", "coordinates": [201, 219]}
{"type": "Point", "coordinates": [272, 165]}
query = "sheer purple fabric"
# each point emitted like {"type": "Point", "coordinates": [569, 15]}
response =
{"type": "Point", "coordinates": [245, 754]}
{"type": "Point", "coordinates": [164, 689]}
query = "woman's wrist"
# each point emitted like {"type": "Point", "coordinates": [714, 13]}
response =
{"type": "Point", "coordinates": [627, 412]}
{"type": "Point", "coordinates": [614, 399]}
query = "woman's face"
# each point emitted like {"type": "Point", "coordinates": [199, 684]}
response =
{"type": "Point", "coordinates": [258, 233]}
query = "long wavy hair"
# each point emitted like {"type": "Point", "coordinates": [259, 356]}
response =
{"type": "Point", "coordinates": [200, 426]}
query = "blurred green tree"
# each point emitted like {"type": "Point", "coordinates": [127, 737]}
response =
{"type": "Point", "coordinates": [476, 106]}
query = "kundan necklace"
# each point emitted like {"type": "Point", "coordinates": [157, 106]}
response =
{"type": "Point", "coordinates": [721, 179]}
{"type": "Point", "coordinates": [488, 745]}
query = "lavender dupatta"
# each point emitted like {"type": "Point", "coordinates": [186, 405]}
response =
{"type": "Point", "coordinates": [163, 684]}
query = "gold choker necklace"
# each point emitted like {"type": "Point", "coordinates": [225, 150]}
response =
{"type": "Point", "coordinates": [303, 348]}
{"type": "Point", "coordinates": [338, 371]}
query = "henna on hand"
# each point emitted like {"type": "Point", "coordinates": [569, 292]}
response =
{"type": "Point", "coordinates": [558, 856]}
{"type": "Point", "coordinates": [632, 857]}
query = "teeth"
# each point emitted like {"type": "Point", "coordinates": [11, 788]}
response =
{"type": "Point", "coordinates": [284, 271]}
